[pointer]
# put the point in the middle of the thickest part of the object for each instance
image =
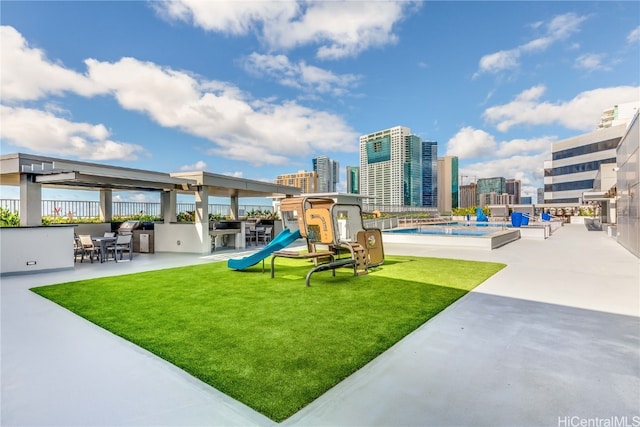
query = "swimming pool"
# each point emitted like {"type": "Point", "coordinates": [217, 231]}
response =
{"type": "Point", "coordinates": [488, 237]}
{"type": "Point", "coordinates": [468, 224]}
{"type": "Point", "coordinates": [444, 230]}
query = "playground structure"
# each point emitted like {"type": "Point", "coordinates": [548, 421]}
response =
{"type": "Point", "coordinates": [331, 230]}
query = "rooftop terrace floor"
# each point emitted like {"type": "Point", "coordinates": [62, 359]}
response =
{"type": "Point", "coordinates": [552, 339]}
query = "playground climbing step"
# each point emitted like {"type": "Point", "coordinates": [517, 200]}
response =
{"type": "Point", "coordinates": [361, 259]}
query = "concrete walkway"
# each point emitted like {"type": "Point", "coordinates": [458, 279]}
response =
{"type": "Point", "coordinates": [553, 339]}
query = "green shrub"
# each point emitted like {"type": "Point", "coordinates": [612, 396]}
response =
{"type": "Point", "coordinates": [188, 216]}
{"type": "Point", "coordinates": [49, 220]}
{"type": "Point", "coordinates": [8, 218]}
{"type": "Point", "coordinates": [469, 211]}
{"type": "Point", "coordinates": [257, 213]}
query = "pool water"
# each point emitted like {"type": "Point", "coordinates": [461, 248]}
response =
{"type": "Point", "coordinates": [470, 224]}
{"type": "Point", "coordinates": [442, 229]}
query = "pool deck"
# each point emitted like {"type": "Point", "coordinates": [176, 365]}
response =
{"type": "Point", "coordinates": [553, 339]}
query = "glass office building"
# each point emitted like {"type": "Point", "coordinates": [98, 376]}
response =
{"type": "Point", "coordinates": [353, 179]}
{"type": "Point", "coordinates": [328, 172]}
{"type": "Point", "coordinates": [412, 183]}
{"type": "Point", "coordinates": [486, 186]}
{"type": "Point", "coordinates": [430, 174]}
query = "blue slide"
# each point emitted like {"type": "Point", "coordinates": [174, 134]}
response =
{"type": "Point", "coordinates": [282, 240]}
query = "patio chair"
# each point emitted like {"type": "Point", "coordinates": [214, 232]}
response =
{"type": "Point", "coordinates": [264, 235]}
{"type": "Point", "coordinates": [250, 233]}
{"type": "Point", "coordinates": [88, 247]}
{"type": "Point", "coordinates": [77, 247]}
{"type": "Point", "coordinates": [109, 234]}
{"type": "Point", "coordinates": [258, 234]}
{"type": "Point", "coordinates": [122, 243]}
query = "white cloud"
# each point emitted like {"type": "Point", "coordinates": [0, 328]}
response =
{"type": "Point", "coordinates": [592, 61]}
{"type": "Point", "coordinates": [232, 17]}
{"type": "Point", "coordinates": [260, 132]}
{"type": "Point", "coordinates": [197, 166]}
{"type": "Point", "coordinates": [43, 132]}
{"type": "Point", "coordinates": [342, 29]}
{"type": "Point", "coordinates": [559, 28]}
{"type": "Point", "coordinates": [28, 75]}
{"type": "Point", "coordinates": [562, 26]}
{"type": "Point", "coordinates": [471, 143]}
{"type": "Point", "coordinates": [339, 28]}
{"type": "Point", "coordinates": [300, 75]}
{"type": "Point", "coordinates": [580, 113]}
{"type": "Point", "coordinates": [520, 146]}
{"type": "Point", "coordinates": [135, 196]}
{"type": "Point", "coordinates": [536, 45]}
{"type": "Point", "coordinates": [240, 128]}
{"type": "Point", "coordinates": [499, 61]}
{"type": "Point", "coordinates": [236, 174]}
{"type": "Point", "coordinates": [634, 35]}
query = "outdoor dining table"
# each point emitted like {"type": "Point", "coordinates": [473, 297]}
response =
{"type": "Point", "coordinates": [103, 241]}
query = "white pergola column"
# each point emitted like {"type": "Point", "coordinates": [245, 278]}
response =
{"type": "Point", "coordinates": [106, 205]}
{"type": "Point", "coordinates": [168, 206]}
{"type": "Point", "coordinates": [234, 207]}
{"type": "Point", "coordinates": [30, 201]}
{"type": "Point", "coordinates": [201, 221]}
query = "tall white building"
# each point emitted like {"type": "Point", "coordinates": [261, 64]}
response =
{"type": "Point", "coordinates": [382, 158]}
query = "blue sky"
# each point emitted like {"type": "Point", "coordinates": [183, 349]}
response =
{"type": "Point", "coordinates": [257, 89]}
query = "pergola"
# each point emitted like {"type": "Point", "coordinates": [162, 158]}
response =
{"type": "Point", "coordinates": [31, 173]}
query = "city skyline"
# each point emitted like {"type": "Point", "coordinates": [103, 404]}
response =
{"type": "Point", "coordinates": [259, 89]}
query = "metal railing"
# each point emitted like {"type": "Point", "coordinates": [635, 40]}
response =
{"type": "Point", "coordinates": [91, 209]}
{"type": "Point", "coordinates": [399, 209]}
{"type": "Point", "coordinates": [381, 223]}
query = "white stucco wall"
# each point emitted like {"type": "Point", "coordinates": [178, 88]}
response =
{"type": "Point", "coordinates": [31, 249]}
{"type": "Point", "coordinates": [182, 237]}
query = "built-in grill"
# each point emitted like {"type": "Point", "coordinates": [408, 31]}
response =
{"type": "Point", "coordinates": [127, 227]}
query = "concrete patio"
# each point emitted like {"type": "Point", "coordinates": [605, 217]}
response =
{"type": "Point", "coordinates": [553, 339]}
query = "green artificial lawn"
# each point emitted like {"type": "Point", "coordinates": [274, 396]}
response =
{"type": "Point", "coordinates": [272, 344]}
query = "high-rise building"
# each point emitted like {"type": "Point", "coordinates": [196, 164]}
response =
{"type": "Point", "coordinates": [468, 197]}
{"type": "Point", "coordinates": [305, 181]}
{"type": "Point", "coordinates": [382, 162]}
{"type": "Point", "coordinates": [353, 179]}
{"type": "Point", "coordinates": [430, 174]}
{"type": "Point", "coordinates": [514, 188]}
{"type": "Point", "coordinates": [412, 182]}
{"type": "Point", "coordinates": [576, 161]}
{"type": "Point", "coordinates": [539, 195]}
{"type": "Point", "coordinates": [447, 183]}
{"type": "Point", "coordinates": [328, 172]}
{"type": "Point", "coordinates": [397, 168]}
{"type": "Point", "coordinates": [493, 198]}
{"type": "Point", "coordinates": [495, 185]}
